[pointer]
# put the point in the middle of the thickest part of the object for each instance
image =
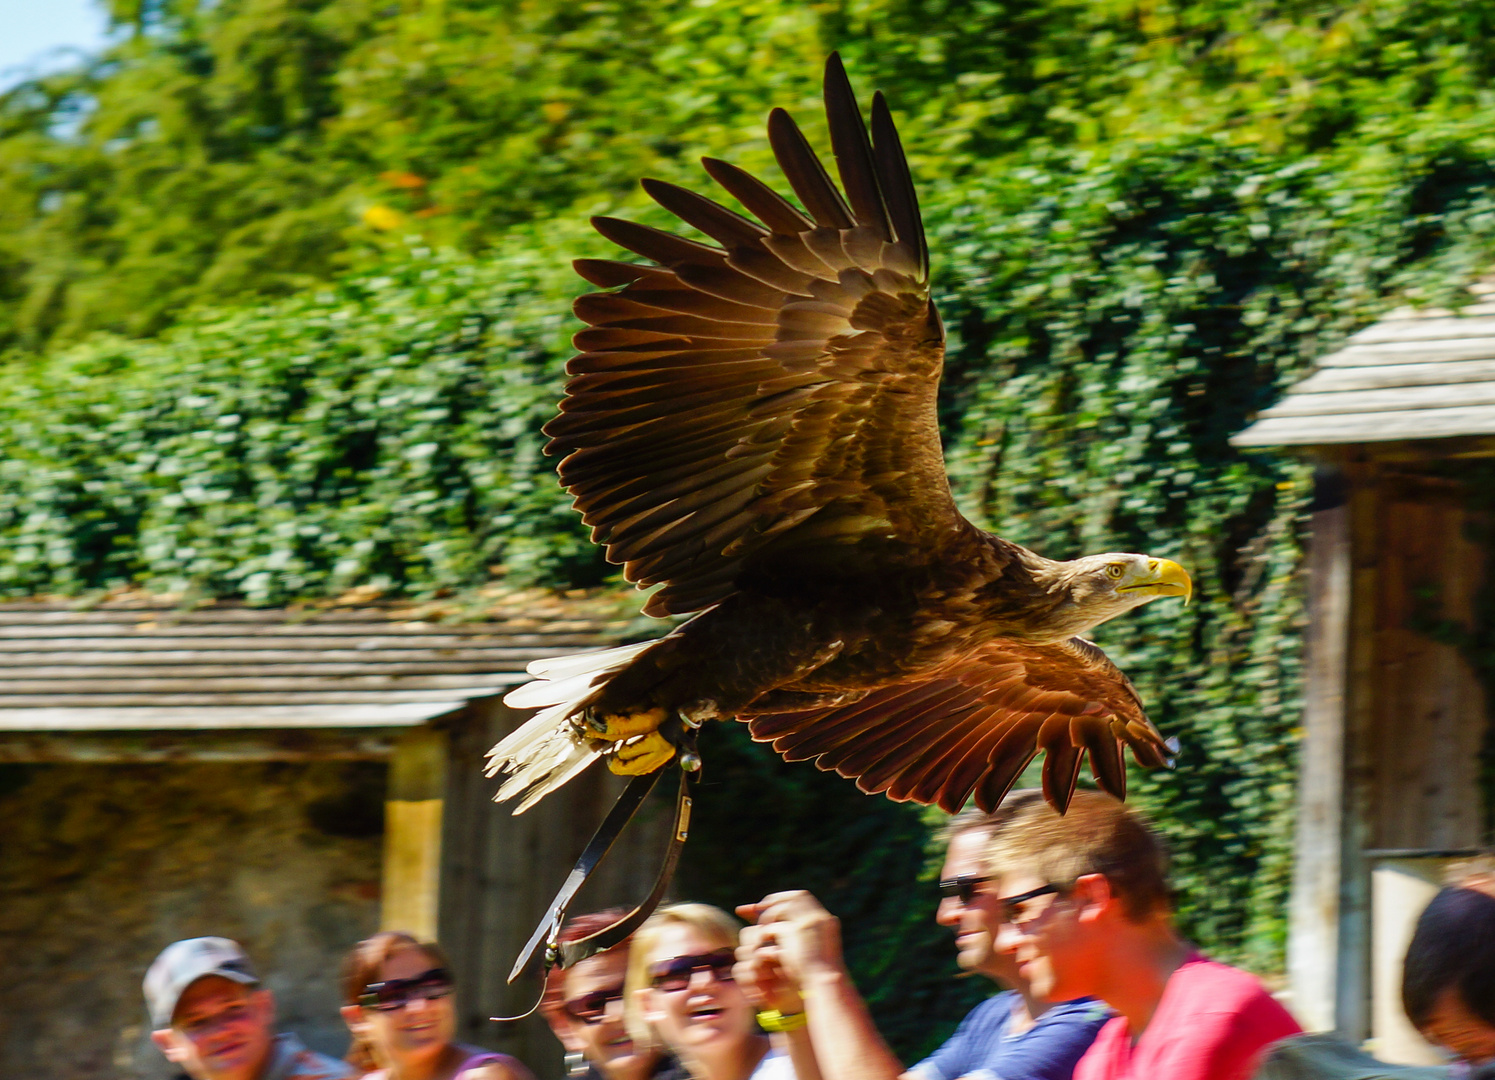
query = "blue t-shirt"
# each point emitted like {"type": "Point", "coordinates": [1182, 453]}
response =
{"type": "Point", "coordinates": [1049, 1050]}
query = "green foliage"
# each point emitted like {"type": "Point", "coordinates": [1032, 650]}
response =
{"type": "Point", "coordinates": [1118, 320]}
{"type": "Point", "coordinates": [381, 433]}
{"type": "Point", "coordinates": [185, 164]}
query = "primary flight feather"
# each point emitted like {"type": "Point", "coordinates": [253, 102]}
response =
{"type": "Point", "coordinates": [750, 425]}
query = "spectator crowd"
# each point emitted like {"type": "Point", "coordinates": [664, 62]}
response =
{"type": "Point", "coordinates": [1070, 915]}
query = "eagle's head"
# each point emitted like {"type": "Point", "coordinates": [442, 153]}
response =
{"type": "Point", "coordinates": [1105, 586]}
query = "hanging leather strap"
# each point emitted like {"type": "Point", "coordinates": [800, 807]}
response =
{"type": "Point", "coordinates": [567, 953]}
{"type": "Point", "coordinates": [547, 933]}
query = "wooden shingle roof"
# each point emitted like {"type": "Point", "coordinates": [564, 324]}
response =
{"type": "Point", "coordinates": [143, 666]}
{"type": "Point", "coordinates": [1416, 374]}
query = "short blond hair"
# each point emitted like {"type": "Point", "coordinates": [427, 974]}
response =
{"type": "Point", "coordinates": [975, 819]}
{"type": "Point", "coordinates": [711, 922]}
{"type": "Point", "coordinates": [1096, 835]}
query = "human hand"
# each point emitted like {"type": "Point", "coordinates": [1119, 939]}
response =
{"type": "Point", "coordinates": [792, 939]}
{"type": "Point", "coordinates": [761, 975]}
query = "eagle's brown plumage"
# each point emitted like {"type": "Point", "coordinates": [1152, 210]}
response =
{"type": "Point", "coordinates": [751, 426]}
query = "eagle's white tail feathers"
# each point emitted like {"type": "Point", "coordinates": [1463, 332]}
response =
{"type": "Point", "coordinates": [545, 751]}
{"type": "Point", "coordinates": [563, 667]}
{"type": "Point", "coordinates": [541, 692]}
{"type": "Point", "coordinates": [559, 771]}
{"type": "Point", "coordinates": [521, 743]}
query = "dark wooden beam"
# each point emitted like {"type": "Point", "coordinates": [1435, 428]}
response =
{"type": "Point", "coordinates": [144, 747]}
{"type": "Point", "coordinates": [1352, 996]}
{"type": "Point", "coordinates": [499, 873]}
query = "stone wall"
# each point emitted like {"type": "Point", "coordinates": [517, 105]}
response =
{"type": "Point", "coordinates": [103, 865]}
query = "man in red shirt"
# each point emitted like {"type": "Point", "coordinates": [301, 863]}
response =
{"type": "Point", "coordinates": [1087, 897]}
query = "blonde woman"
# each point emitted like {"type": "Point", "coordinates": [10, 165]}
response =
{"type": "Point", "coordinates": [681, 996]}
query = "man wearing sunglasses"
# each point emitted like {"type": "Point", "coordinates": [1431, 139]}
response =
{"type": "Point", "coordinates": [1089, 911]}
{"type": "Point", "coordinates": [1017, 1035]}
{"type": "Point", "coordinates": [215, 1022]}
{"type": "Point", "coordinates": [583, 1004]}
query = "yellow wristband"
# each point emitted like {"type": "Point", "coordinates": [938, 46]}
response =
{"type": "Point", "coordinates": [775, 1021]}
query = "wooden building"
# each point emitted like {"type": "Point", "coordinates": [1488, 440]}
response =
{"type": "Point", "coordinates": [176, 772]}
{"type": "Point", "coordinates": [1396, 423]}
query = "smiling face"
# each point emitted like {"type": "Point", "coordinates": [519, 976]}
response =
{"type": "Point", "coordinates": [417, 1033]}
{"type": "Point", "coordinates": [708, 1015]}
{"type": "Point", "coordinates": [1055, 951]}
{"type": "Point", "coordinates": [221, 1030]}
{"type": "Point", "coordinates": [976, 924]}
{"type": "Point", "coordinates": [605, 1040]}
{"type": "Point", "coordinates": [1453, 1026]}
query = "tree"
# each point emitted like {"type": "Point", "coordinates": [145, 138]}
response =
{"type": "Point", "coordinates": [243, 149]}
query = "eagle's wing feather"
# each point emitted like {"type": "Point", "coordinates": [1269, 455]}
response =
{"type": "Point", "coordinates": [972, 727]}
{"type": "Point", "coordinates": [773, 392]}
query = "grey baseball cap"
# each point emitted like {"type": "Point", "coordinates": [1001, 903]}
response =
{"type": "Point", "coordinates": [182, 963]}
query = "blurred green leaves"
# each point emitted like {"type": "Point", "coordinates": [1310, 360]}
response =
{"type": "Point", "coordinates": [381, 433]}
{"type": "Point", "coordinates": [249, 148]}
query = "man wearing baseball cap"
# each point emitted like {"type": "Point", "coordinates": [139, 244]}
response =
{"type": "Point", "coordinates": [214, 1020]}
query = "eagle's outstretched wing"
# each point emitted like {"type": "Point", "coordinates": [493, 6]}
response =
{"type": "Point", "coordinates": [775, 390]}
{"type": "Point", "coordinates": [973, 727]}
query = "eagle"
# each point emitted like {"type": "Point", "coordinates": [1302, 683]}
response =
{"type": "Point", "coordinates": [750, 425]}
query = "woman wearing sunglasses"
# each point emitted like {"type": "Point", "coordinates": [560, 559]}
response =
{"type": "Point", "coordinates": [583, 1005]}
{"type": "Point", "coordinates": [398, 995]}
{"type": "Point", "coordinates": [680, 994]}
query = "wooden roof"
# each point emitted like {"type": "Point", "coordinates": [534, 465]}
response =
{"type": "Point", "coordinates": [1416, 374]}
{"type": "Point", "coordinates": [141, 666]}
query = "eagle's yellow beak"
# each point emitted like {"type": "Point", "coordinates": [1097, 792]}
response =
{"type": "Point", "coordinates": [1164, 578]}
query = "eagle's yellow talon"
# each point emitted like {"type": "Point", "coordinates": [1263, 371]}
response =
{"type": "Point", "coordinates": [644, 756]}
{"type": "Point", "coordinates": [615, 729]}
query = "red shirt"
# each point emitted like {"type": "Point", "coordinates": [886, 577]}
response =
{"type": "Point", "coordinates": [1212, 1023]}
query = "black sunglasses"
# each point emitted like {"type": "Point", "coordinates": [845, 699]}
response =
{"type": "Point", "coordinates": [397, 993]}
{"type": "Point", "coordinates": [675, 974]}
{"type": "Point", "coordinates": [962, 888]}
{"type": "Point", "coordinates": [592, 1008]}
{"type": "Point", "coordinates": [1007, 905]}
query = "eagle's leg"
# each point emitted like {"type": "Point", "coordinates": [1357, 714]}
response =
{"type": "Point", "coordinates": [682, 680]}
{"type": "Point", "coordinates": [633, 743]}
{"type": "Point", "coordinates": [619, 727]}
{"type": "Point", "coordinates": [642, 755]}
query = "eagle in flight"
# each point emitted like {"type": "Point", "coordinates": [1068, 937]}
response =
{"type": "Point", "coordinates": [750, 425]}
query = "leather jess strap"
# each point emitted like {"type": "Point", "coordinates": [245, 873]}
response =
{"type": "Point", "coordinates": [547, 933]}
{"type": "Point", "coordinates": [571, 952]}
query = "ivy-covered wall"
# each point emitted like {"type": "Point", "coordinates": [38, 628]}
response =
{"type": "Point", "coordinates": [380, 433]}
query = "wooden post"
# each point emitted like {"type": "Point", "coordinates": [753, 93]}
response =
{"type": "Point", "coordinates": [1366, 551]}
{"type": "Point", "coordinates": [1313, 919]}
{"type": "Point", "coordinates": [412, 833]}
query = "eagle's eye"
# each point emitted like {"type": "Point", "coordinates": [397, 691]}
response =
{"type": "Point", "coordinates": [1114, 570]}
